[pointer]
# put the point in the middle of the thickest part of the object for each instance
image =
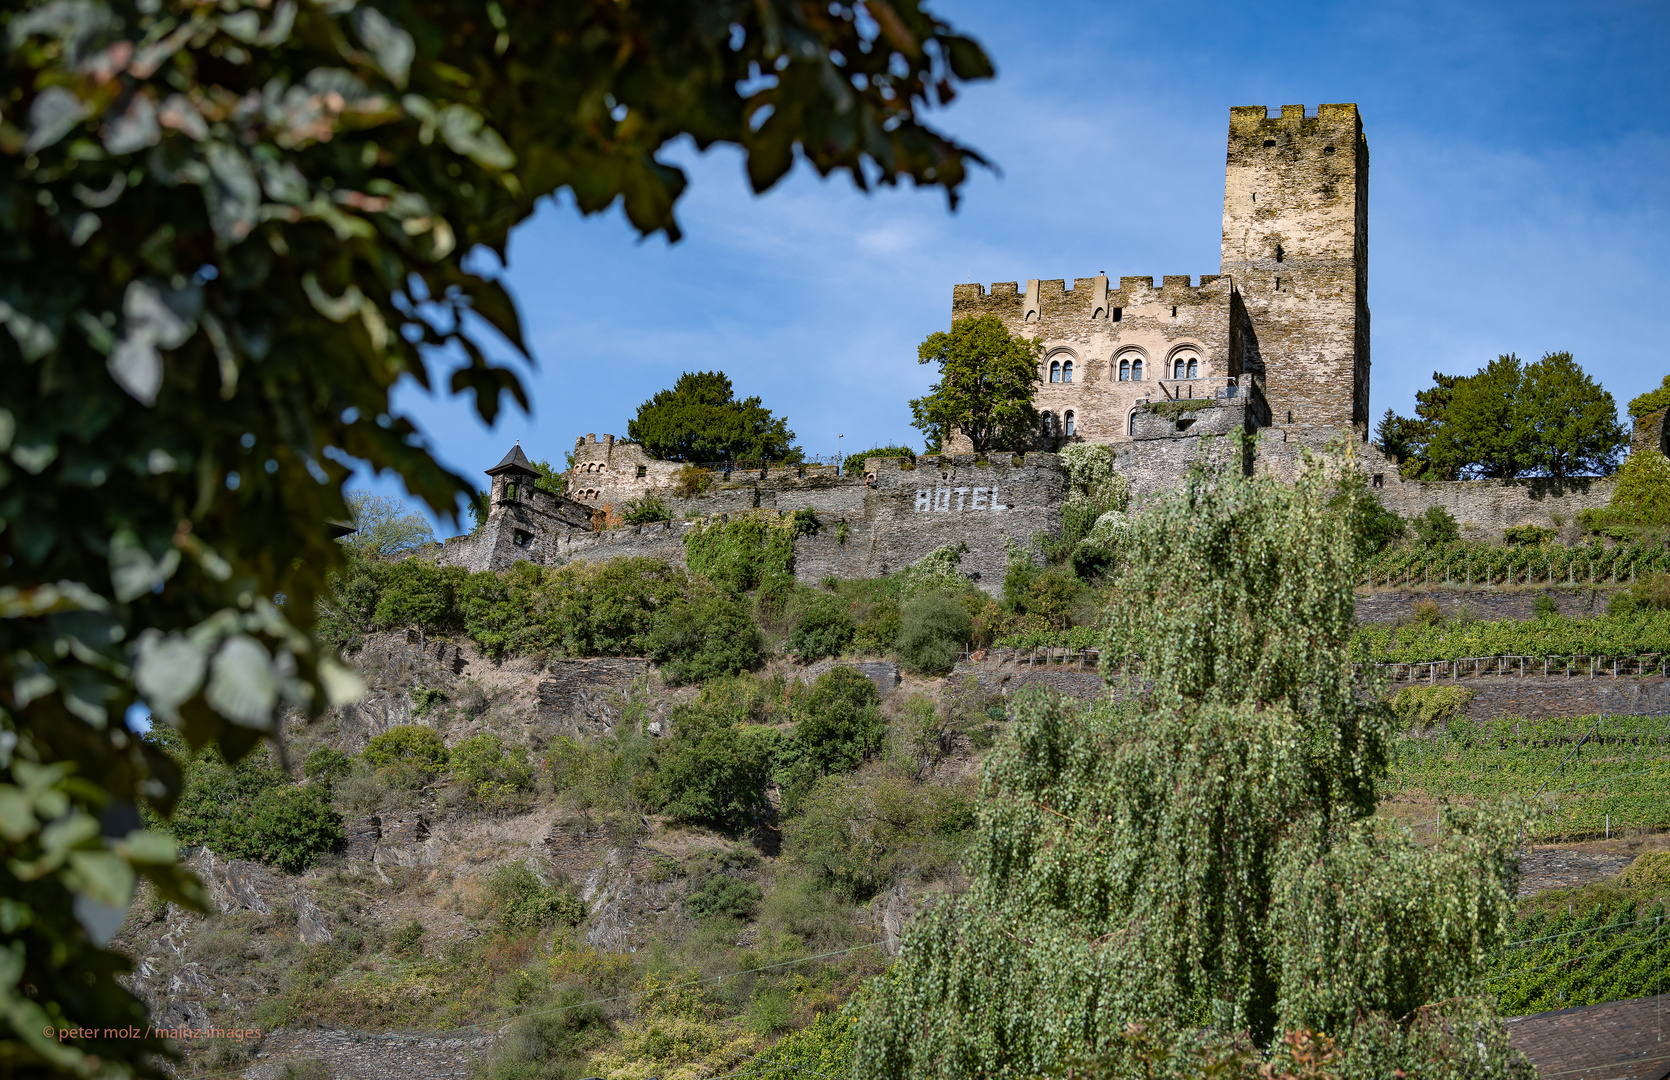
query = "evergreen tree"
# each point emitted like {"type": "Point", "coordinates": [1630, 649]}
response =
{"type": "Point", "coordinates": [1204, 856]}
{"type": "Point", "coordinates": [1567, 423]}
{"type": "Point", "coordinates": [1407, 439]}
{"type": "Point", "coordinates": [985, 385]}
{"type": "Point", "coordinates": [700, 419]}
{"type": "Point", "coordinates": [1509, 419]}
{"type": "Point", "coordinates": [1480, 435]}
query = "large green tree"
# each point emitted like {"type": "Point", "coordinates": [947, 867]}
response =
{"type": "Point", "coordinates": [701, 420]}
{"type": "Point", "coordinates": [1509, 419]}
{"type": "Point", "coordinates": [226, 232]}
{"type": "Point", "coordinates": [1480, 434]}
{"type": "Point", "coordinates": [1206, 855]}
{"type": "Point", "coordinates": [986, 378]}
{"type": "Point", "coordinates": [1568, 423]}
{"type": "Point", "coordinates": [385, 527]}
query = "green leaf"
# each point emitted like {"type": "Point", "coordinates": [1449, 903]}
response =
{"type": "Point", "coordinates": [17, 814]}
{"type": "Point", "coordinates": [169, 670]}
{"type": "Point", "coordinates": [53, 114]}
{"type": "Point", "coordinates": [242, 684]}
{"type": "Point", "coordinates": [133, 572]}
{"type": "Point", "coordinates": [103, 875]}
{"type": "Point", "coordinates": [391, 45]}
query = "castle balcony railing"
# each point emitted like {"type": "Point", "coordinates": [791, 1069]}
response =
{"type": "Point", "coordinates": [1223, 387]}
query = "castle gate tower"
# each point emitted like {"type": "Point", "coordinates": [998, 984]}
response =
{"type": "Point", "coordinates": [1295, 240]}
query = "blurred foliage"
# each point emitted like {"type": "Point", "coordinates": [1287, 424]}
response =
{"type": "Point", "coordinates": [235, 228]}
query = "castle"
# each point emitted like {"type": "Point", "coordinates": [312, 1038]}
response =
{"type": "Point", "coordinates": [1283, 325]}
{"type": "Point", "coordinates": [1275, 345]}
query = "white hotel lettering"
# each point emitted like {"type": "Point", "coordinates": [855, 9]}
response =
{"type": "Point", "coordinates": [940, 500]}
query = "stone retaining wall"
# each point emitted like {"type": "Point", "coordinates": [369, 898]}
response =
{"type": "Point", "coordinates": [1399, 605]}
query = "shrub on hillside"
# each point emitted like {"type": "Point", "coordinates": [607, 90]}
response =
{"type": "Point", "coordinates": [647, 511]}
{"type": "Point", "coordinates": [860, 834]}
{"type": "Point", "coordinates": [739, 554]}
{"type": "Point", "coordinates": [1048, 593]}
{"type": "Point", "coordinates": [934, 572]}
{"type": "Point", "coordinates": [491, 773]}
{"type": "Point", "coordinates": [932, 630]}
{"type": "Point", "coordinates": [552, 1042]}
{"type": "Point", "coordinates": [877, 631]}
{"type": "Point", "coordinates": [724, 896]}
{"type": "Point", "coordinates": [1640, 497]}
{"type": "Point", "coordinates": [611, 774]}
{"type": "Point", "coordinates": [1526, 535]}
{"type": "Point", "coordinates": [417, 592]}
{"type": "Point", "coordinates": [524, 904]}
{"type": "Point", "coordinates": [215, 799]}
{"type": "Point", "coordinates": [327, 765]}
{"type": "Point", "coordinates": [838, 726]}
{"type": "Point", "coordinates": [706, 637]}
{"type": "Point", "coordinates": [1426, 705]}
{"type": "Point", "coordinates": [713, 770]}
{"type": "Point", "coordinates": [409, 745]}
{"type": "Point", "coordinates": [289, 827]}
{"type": "Point", "coordinates": [822, 628]}
{"type": "Point", "coordinates": [1436, 526]}
{"type": "Point", "coordinates": [1374, 526]}
{"type": "Point", "coordinates": [853, 464]}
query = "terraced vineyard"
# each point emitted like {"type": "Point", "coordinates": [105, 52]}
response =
{"type": "Point", "coordinates": [1592, 774]}
{"type": "Point", "coordinates": [1602, 636]}
{"type": "Point", "coordinates": [1608, 953]}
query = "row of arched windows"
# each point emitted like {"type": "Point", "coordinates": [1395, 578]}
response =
{"type": "Point", "coordinates": [1130, 369]}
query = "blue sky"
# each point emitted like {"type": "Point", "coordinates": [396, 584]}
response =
{"type": "Point", "coordinates": [1518, 203]}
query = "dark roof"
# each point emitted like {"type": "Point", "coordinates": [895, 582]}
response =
{"type": "Point", "coordinates": [1620, 1040]}
{"type": "Point", "coordinates": [515, 461]}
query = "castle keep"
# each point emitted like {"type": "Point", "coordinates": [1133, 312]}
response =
{"type": "Point", "coordinates": [1275, 345]}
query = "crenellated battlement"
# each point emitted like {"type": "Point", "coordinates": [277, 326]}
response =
{"type": "Point", "coordinates": [1096, 297]}
{"type": "Point", "coordinates": [1242, 117]}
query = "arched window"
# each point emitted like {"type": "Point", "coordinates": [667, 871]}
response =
{"type": "Point", "coordinates": [510, 492]}
{"type": "Point", "coordinates": [1194, 368]}
{"type": "Point", "coordinates": [1048, 419]}
{"type": "Point", "coordinates": [1067, 424]}
{"type": "Point", "coordinates": [1124, 371]}
{"type": "Point", "coordinates": [1055, 371]}
{"type": "Point", "coordinates": [1136, 370]}
{"type": "Point", "coordinates": [1067, 372]}
{"type": "Point", "coordinates": [1131, 423]}
{"type": "Point", "coordinates": [1178, 368]}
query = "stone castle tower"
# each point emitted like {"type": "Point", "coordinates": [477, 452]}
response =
{"type": "Point", "coordinates": [1295, 244]}
{"type": "Point", "coordinates": [1282, 330]}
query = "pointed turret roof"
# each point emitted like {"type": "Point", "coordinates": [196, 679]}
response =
{"type": "Point", "coordinates": [515, 461]}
